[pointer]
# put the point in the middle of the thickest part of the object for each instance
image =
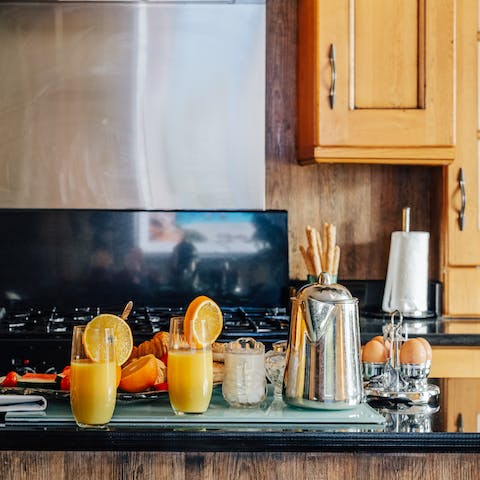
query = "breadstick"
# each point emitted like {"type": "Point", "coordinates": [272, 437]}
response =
{"type": "Point", "coordinates": [307, 260]}
{"type": "Point", "coordinates": [332, 237]}
{"type": "Point", "coordinates": [310, 256]}
{"type": "Point", "coordinates": [336, 260]}
{"type": "Point", "coordinates": [325, 246]}
{"type": "Point", "coordinates": [321, 252]}
{"type": "Point", "coordinates": [312, 246]}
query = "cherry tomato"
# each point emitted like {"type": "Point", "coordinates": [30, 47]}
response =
{"type": "Point", "coordinates": [66, 370]}
{"type": "Point", "coordinates": [65, 383]}
{"type": "Point", "coordinates": [161, 387]}
{"type": "Point", "coordinates": [10, 380]}
{"type": "Point", "coordinates": [164, 358]}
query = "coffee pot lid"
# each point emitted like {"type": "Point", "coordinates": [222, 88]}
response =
{"type": "Point", "coordinates": [326, 291]}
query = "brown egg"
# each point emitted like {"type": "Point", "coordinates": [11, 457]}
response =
{"type": "Point", "coordinates": [427, 347]}
{"type": "Point", "coordinates": [413, 352]}
{"type": "Point", "coordinates": [374, 352]}
{"type": "Point", "coordinates": [380, 339]}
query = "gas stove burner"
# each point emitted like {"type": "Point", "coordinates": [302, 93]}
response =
{"type": "Point", "coordinates": [269, 324]}
{"type": "Point", "coordinates": [15, 327]}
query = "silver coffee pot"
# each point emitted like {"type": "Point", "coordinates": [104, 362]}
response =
{"type": "Point", "coordinates": [323, 355]}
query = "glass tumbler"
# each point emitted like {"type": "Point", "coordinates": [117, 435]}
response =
{"type": "Point", "coordinates": [93, 384]}
{"type": "Point", "coordinates": [275, 367]}
{"type": "Point", "coordinates": [244, 382]}
{"type": "Point", "coordinates": [189, 373]}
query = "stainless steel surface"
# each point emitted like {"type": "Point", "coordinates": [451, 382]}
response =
{"type": "Point", "coordinates": [428, 396]}
{"type": "Point", "coordinates": [461, 213]}
{"type": "Point", "coordinates": [372, 369]}
{"type": "Point", "coordinates": [415, 372]}
{"type": "Point", "coordinates": [333, 76]}
{"type": "Point", "coordinates": [132, 105]}
{"type": "Point", "coordinates": [323, 357]}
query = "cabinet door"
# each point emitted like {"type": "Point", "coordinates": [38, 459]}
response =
{"type": "Point", "coordinates": [393, 85]}
{"type": "Point", "coordinates": [464, 237]}
{"type": "Point", "coordinates": [460, 400]}
{"type": "Point", "coordinates": [462, 272]}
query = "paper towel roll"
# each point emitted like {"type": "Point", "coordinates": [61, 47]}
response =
{"type": "Point", "coordinates": [406, 286]}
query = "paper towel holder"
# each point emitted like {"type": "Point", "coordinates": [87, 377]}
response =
{"type": "Point", "coordinates": [406, 219]}
{"type": "Point", "coordinates": [406, 285]}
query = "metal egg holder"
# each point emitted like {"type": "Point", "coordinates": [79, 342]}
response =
{"type": "Point", "coordinates": [395, 386]}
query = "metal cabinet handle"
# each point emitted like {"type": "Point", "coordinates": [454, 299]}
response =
{"type": "Point", "coordinates": [461, 214]}
{"type": "Point", "coordinates": [459, 423]}
{"type": "Point", "coordinates": [334, 76]}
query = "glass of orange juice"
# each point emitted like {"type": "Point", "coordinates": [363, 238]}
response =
{"type": "Point", "coordinates": [93, 382]}
{"type": "Point", "coordinates": [190, 372]}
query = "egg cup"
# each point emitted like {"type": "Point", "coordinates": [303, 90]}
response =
{"type": "Point", "coordinates": [372, 369]}
{"type": "Point", "coordinates": [415, 374]}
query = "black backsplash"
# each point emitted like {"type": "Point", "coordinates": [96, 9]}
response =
{"type": "Point", "coordinates": [103, 258]}
{"type": "Point", "coordinates": [370, 294]}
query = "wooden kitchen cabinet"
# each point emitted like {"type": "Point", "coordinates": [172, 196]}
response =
{"type": "Point", "coordinates": [462, 237]}
{"type": "Point", "coordinates": [376, 81]}
{"type": "Point", "coordinates": [459, 369]}
{"type": "Point", "coordinates": [460, 404]}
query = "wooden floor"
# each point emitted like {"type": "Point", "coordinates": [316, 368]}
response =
{"type": "Point", "coordinates": [232, 466]}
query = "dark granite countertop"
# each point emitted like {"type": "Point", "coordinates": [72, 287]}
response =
{"type": "Point", "coordinates": [401, 432]}
{"type": "Point", "coordinates": [435, 330]}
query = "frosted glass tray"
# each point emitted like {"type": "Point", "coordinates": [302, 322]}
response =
{"type": "Point", "coordinates": [219, 413]}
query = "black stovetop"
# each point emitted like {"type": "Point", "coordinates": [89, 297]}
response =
{"type": "Point", "coordinates": [144, 321]}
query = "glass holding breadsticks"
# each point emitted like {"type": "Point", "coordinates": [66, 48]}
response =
{"type": "Point", "coordinates": [322, 254]}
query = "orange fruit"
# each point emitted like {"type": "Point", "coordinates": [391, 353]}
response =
{"type": "Point", "coordinates": [140, 374]}
{"type": "Point", "coordinates": [121, 332]}
{"type": "Point", "coordinates": [119, 374]}
{"type": "Point", "coordinates": [203, 321]}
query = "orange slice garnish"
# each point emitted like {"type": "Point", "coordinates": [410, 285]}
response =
{"type": "Point", "coordinates": [203, 322]}
{"type": "Point", "coordinates": [122, 337]}
{"type": "Point", "coordinates": [140, 374]}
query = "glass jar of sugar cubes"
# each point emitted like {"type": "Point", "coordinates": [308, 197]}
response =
{"type": "Point", "coordinates": [244, 383]}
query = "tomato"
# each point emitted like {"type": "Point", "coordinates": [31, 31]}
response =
{"type": "Point", "coordinates": [66, 370]}
{"type": "Point", "coordinates": [164, 358]}
{"type": "Point", "coordinates": [10, 380]}
{"type": "Point", "coordinates": [161, 387]}
{"type": "Point", "coordinates": [65, 383]}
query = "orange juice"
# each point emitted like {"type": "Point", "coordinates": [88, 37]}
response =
{"type": "Point", "coordinates": [190, 379]}
{"type": "Point", "coordinates": [93, 391]}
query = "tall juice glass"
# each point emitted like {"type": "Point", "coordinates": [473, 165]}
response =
{"type": "Point", "coordinates": [190, 372]}
{"type": "Point", "coordinates": [93, 384]}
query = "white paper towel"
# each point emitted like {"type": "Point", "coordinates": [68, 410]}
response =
{"type": "Point", "coordinates": [406, 287]}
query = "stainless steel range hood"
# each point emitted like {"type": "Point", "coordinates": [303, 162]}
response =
{"type": "Point", "coordinates": [132, 105]}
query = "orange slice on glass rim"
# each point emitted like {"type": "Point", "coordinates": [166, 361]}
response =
{"type": "Point", "coordinates": [203, 322]}
{"type": "Point", "coordinates": [121, 332]}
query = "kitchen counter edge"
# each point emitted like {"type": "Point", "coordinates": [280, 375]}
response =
{"type": "Point", "coordinates": [63, 438]}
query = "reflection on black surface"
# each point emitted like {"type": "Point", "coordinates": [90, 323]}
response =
{"type": "Point", "coordinates": [77, 257]}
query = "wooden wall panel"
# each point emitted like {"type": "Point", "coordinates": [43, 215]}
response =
{"type": "Point", "coordinates": [364, 201]}
{"type": "Point", "coordinates": [239, 466]}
